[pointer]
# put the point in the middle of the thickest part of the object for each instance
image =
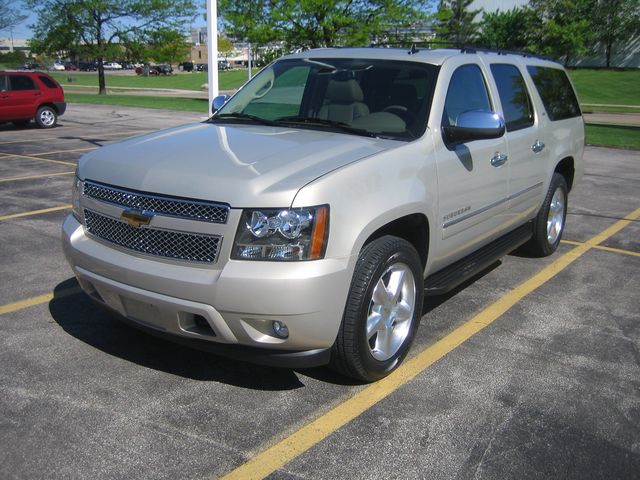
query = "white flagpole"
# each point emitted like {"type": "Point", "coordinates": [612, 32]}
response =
{"type": "Point", "coordinates": [212, 50]}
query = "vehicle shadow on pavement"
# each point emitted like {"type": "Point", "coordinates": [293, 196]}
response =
{"type": "Point", "coordinates": [85, 320]}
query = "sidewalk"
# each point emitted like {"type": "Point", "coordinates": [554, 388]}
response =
{"type": "Point", "coordinates": [623, 119]}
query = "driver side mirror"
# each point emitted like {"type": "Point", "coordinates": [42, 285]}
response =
{"type": "Point", "coordinates": [218, 102]}
{"type": "Point", "coordinates": [474, 125]}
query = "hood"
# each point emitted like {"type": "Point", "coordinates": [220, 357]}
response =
{"type": "Point", "coordinates": [241, 165]}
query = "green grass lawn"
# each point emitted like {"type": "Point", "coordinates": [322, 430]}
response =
{"type": "Point", "coordinates": [613, 136]}
{"type": "Point", "coordinates": [607, 86]}
{"type": "Point", "coordinates": [168, 103]}
{"type": "Point", "coordinates": [228, 80]}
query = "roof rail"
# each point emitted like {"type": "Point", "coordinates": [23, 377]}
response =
{"type": "Point", "coordinates": [500, 51]}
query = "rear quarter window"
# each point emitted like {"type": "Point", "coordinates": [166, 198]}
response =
{"type": "Point", "coordinates": [556, 92]}
{"type": "Point", "coordinates": [22, 82]}
{"type": "Point", "coordinates": [49, 82]}
{"type": "Point", "coordinates": [3, 83]}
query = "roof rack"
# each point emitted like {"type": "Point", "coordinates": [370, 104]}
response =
{"type": "Point", "coordinates": [500, 51]}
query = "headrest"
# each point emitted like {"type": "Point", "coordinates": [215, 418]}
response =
{"type": "Point", "coordinates": [344, 91]}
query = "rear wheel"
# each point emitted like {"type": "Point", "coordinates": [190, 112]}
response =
{"type": "Point", "coordinates": [46, 117]}
{"type": "Point", "coordinates": [383, 310]}
{"type": "Point", "coordinates": [549, 223]}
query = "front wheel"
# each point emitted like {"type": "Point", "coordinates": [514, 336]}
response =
{"type": "Point", "coordinates": [549, 223]}
{"type": "Point", "coordinates": [383, 310]}
{"type": "Point", "coordinates": [46, 117]}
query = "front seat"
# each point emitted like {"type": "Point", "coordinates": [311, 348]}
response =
{"type": "Point", "coordinates": [343, 102]}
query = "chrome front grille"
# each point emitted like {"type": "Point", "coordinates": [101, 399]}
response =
{"type": "Point", "coordinates": [193, 247]}
{"type": "Point", "coordinates": [159, 204]}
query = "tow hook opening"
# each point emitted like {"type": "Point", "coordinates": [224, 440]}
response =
{"type": "Point", "coordinates": [195, 323]}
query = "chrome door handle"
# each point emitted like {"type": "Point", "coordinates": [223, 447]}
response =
{"type": "Point", "coordinates": [537, 147]}
{"type": "Point", "coordinates": [498, 159]}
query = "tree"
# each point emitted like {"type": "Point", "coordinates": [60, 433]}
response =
{"type": "Point", "coordinates": [167, 46]}
{"type": "Point", "coordinates": [225, 47]}
{"type": "Point", "coordinates": [455, 23]}
{"type": "Point", "coordinates": [248, 20]}
{"type": "Point", "coordinates": [9, 17]}
{"type": "Point", "coordinates": [511, 30]}
{"type": "Point", "coordinates": [103, 26]}
{"type": "Point", "coordinates": [615, 22]}
{"type": "Point", "coordinates": [316, 23]}
{"type": "Point", "coordinates": [565, 28]}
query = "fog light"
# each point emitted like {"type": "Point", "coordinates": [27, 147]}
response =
{"type": "Point", "coordinates": [280, 329]}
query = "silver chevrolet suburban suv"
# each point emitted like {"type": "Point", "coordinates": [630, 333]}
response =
{"type": "Point", "coordinates": [305, 221]}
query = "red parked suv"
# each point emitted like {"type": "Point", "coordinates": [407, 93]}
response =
{"type": "Point", "coordinates": [30, 95]}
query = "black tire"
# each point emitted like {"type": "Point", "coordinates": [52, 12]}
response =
{"type": "Point", "coordinates": [546, 233]}
{"type": "Point", "coordinates": [46, 117]}
{"type": "Point", "coordinates": [21, 123]}
{"type": "Point", "coordinates": [354, 352]}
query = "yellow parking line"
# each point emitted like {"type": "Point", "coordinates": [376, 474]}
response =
{"type": "Point", "coordinates": [275, 457]}
{"type": "Point", "coordinates": [112, 134]}
{"type": "Point", "coordinates": [64, 151]}
{"type": "Point", "coordinates": [4, 156]}
{"type": "Point", "coordinates": [39, 300]}
{"type": "Point", "coordinates": [34, 212]}
{"type": "Point", "coordinates": [13, 179]}
{"type": "Point", "coordinates": [604, 248]}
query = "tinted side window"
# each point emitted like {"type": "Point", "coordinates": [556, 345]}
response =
{"type": "Point", "coordinates": [21, 82]}
{"type": "Point", "coordinates": [556, 93]}
{"type": "Point", "coordinates": [516, 103]}
{"type": "Point", "coordinates": [3, 83]}
{"type": "Point", "coordinates": [48, 82]}
{"type": "Point", "coordinates": [467, 91]}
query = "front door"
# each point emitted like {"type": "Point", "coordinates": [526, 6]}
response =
{"type": "Point", "coordinates": [472, 185]}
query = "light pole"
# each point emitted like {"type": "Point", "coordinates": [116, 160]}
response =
{"type": "Point", "coordinates": [212, 51]}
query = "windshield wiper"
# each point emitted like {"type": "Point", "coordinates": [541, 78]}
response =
{"type": "Point", "coordinates": [243, 116]}
{"type": "Point", "coordinates": [296, 119]}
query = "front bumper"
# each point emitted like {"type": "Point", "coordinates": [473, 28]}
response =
{"type": "Point", "coordinates": [238, 300]}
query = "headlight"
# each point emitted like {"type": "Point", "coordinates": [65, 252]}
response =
{"type": "Point", "coordinates": [76, 193]}
{"type": "Point", "coordinates": [282, 235]}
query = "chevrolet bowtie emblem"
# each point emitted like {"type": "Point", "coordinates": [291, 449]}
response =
{"type": "Point", "coordinates": [136, 218]}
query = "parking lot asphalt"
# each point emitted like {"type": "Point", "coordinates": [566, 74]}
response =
{"type": "Point", "coordinates": [531, 370]}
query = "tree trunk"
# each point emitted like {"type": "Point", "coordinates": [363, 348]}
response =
{"type": "Point", "coordinates": [608, 54]}
{"type": "Point", "coordinates": [102, 86]}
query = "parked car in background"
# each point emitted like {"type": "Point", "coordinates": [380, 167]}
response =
{"type": "Point", "coordinates": [70, 66]}
{"type": "Point", "coordinates": [223, 65]}
{"type": "Point", "coordinates": [58, 66]}
{"type": "Point", "coordinates": [186, 66]}
{"type": "Point", "coordinates": [112, 66]}
{"type": "Point", "coordinates": [202, 67]}
{"type": "Point", "coordinates": [164, 69]}
{"type": "Point", "coordinates": [87, 66]}
{"type": "Point", "coordinates": [151, 70]}
{"type": "Point", "coordinates": [127, 65]}
{"type": "Point", "coordinates": [32, 66]}
{"type": "Point", "coordinates": [26, 96]}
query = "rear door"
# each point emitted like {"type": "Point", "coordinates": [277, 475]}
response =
{"type": "Point", "coordinates": [526, 149]}
{"type": "Point", "coordinates": [23, 97]}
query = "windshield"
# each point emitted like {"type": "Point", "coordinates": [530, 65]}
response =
{"type": "Point", "coordinates": [377, 98]}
